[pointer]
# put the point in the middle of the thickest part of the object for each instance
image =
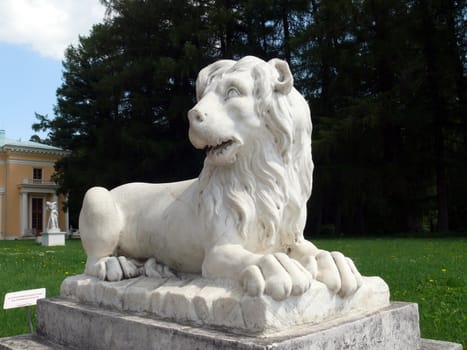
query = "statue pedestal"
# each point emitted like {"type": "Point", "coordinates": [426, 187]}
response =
{"type": "Point", "coordinates": [63, 324]}
{"type": "Point", "coordinates": [221, 303]}
{"type": "Point", "coordinates": [53, 238]}
{"type": "Point", "coordinates": [189, 312]}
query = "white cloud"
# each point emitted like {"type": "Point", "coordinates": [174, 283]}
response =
{"type": "Point", "coordinates": [48, 26]}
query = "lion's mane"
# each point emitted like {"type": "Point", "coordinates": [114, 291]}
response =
{"type": "Point", "coordinates": [265, 191]}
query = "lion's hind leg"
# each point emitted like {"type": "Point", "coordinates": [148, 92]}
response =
{"type": "Point", "coordinates": [100, 225]}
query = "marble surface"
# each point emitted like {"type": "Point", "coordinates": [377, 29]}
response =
{"type": "Point", "coordinates": [242, 219]}
{"type": "Point", "coordinates": [190, 299]}
{"type": "Point", "coordinates": [64, 324]}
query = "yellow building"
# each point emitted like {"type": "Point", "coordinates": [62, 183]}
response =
{"type": "Point", "coordinates": [25, 186]}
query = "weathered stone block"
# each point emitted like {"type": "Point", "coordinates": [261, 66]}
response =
{"type": "Point", "coordinates": [222, 303]}
{"type": "Point", "coordinates": [87, 327]}
{"type": "Point", "coordinates": [64, 324]}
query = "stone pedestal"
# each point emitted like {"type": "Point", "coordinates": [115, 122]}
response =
{"type": "Point", "coordinates": [65, 324]}
{"type": "Point", "coordinates": [53, 238]}
{"type": "Point", "coordinates": [87, 327]}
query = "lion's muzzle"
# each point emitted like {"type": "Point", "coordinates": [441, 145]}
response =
{"type": "Point", "coordinates": [195, 133]}
{"type": "Point", "coordinates": [212, 133]}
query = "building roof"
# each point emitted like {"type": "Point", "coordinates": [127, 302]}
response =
{"type": "Point", "coordinates": [7, 144]}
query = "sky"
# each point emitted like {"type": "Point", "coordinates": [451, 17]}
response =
{"type": "Point", "coordinates": [33, 37]}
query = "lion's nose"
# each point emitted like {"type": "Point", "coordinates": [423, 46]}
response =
{"type": "Point", "coordinates": [196, 116]}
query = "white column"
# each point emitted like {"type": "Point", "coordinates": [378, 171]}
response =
{"type": "Point", "coordinates": [24, 213]}
{"type": "Point", "coordinates": [44, 215]}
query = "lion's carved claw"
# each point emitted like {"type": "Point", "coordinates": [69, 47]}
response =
{"type": "Point", "coordinates": [276, 275]}
{"type": "Point", "coordinates": [338, 273]}
{"type": "Point", "coordinates": [153, 269]}
{"type": "Point", "coordinates": [333, 269]}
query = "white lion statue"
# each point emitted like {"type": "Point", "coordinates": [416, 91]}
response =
{"type": "Point", "coordinates": [243, 218]}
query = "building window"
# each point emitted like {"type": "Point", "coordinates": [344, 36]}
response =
{"type": "Point", "coordinates": [37, 175]}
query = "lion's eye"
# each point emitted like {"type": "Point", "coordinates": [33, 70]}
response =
{"type": "Point", "coordinates": [232, 92]}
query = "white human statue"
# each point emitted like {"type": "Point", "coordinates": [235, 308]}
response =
{"type": "Point", "coordinates": [52, 225]}
{"type": "Point", "coordinates": [243, 217]}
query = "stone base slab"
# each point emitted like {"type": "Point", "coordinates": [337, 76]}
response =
{"type": "Point", "coordinates": [83, 326]}
{"type": "Point", "coordinates": [29, 342]}
{"type": "Point", "coordinates": [87, 327]}
{"type": "Point", "coordinates": [35, 342]}
{"type": "Point", "coordinates": [220, 303]}
{"type": "Point", "coordinates": [429, 344]}
{"type": "Point", "coordinates": [64, 324]}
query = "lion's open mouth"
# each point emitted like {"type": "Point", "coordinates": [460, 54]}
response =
{"type": "Point", "coordinates": [220, 148]}
{"type": "Point", "coordinates": [223, 152]}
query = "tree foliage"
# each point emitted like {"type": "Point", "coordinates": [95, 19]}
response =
{"type": "Point", "coordinates": [387, 103]}
{"type": "Point", "coordinates": [386, 81]}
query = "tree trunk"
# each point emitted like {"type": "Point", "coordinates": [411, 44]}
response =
{"type": "Point", "coordinates": [338, 220]}
{"type": "Point", "coordinates": [360, 220]}
{"type": "Point", "coordinates": [455, 54]}
{"type": "Point", "coordinates": [439, 115]}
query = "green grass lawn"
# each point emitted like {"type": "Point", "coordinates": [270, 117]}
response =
{"type": "Point", "coordinates": [28, 265]}
{"type": "Point", "coordinates": [430, 272]}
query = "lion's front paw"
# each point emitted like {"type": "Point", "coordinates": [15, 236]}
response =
{"type": "Point", "coordinates": [113, 268]}
{"type": "Point", "coordinates": [276, 275]}
{"type": "Point", "coordinates": [338, 273]}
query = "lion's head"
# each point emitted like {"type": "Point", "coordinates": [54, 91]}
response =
{"type": "Point", "coordinates": [256, 130]}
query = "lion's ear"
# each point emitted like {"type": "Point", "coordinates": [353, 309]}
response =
{"type": "Point", "coordinates": [284, 82]}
